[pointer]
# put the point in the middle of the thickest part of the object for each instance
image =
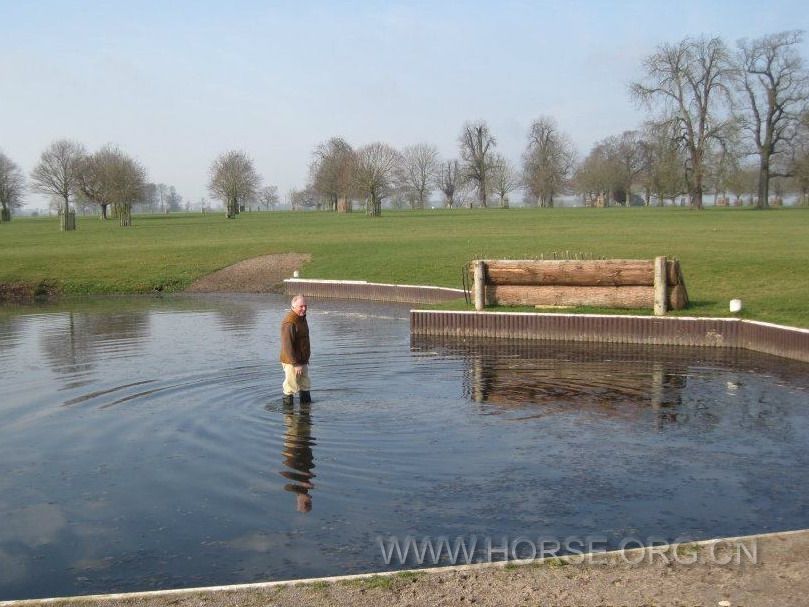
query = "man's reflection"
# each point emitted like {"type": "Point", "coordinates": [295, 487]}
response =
{"type": "Point", "coordinates": [298, 457]}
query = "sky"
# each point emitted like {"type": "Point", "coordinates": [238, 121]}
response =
{"type": "Point", "coordinates": [175, 84]}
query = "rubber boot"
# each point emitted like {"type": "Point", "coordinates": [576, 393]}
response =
{"type": "Point", "coordinates": [306, 397]}
{"type": "Point", "coordinates": [289, 400]}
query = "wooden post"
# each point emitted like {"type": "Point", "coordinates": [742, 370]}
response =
{"type": "Point", "coordinates": [661, 287]}
{"type": "Point", "coordinates": [479, 286]}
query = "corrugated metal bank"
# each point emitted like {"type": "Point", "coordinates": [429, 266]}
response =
{"type": "Point", "coordinates": [674, 331]}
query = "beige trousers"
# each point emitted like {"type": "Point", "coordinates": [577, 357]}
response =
{"type": "Point", "coordinates": [295, 383]}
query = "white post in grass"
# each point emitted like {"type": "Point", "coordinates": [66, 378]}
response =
{"type": "Point", "coordinates": [479, 287]}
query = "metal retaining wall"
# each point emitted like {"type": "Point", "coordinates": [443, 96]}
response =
{"type": "Point", "coordinates": [788, 342]}
{"type": "Point", "coordinates": [357, 289]}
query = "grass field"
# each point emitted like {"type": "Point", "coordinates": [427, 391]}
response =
{"type": "Point", "coordinates": [758, 256]}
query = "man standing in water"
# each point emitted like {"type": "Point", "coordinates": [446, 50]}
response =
{"type": "Point", "coordinates": [295, 352]}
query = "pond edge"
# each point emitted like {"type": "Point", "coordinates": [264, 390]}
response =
{"type": "Point", "coordinates": [591, 557]}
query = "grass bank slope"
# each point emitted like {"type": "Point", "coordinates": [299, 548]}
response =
{"type": "Point", "coordinates": [758, 256]}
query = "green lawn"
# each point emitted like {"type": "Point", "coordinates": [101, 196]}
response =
{"type": "Point", "coordinates": [759, 256]}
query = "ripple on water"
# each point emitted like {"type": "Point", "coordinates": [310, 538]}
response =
{"type": "Point", "coordinates": [158, 441]}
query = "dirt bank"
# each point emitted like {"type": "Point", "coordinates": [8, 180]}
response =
{"type": "Point", "coordinates": [26, 293]}
{"type": "Point", "coordinates": [685, 575]}
{"type": "Point", "coordinates": [262, 274]}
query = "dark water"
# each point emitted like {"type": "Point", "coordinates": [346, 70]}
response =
{"type": "Point", "coordinates": [143, 444]}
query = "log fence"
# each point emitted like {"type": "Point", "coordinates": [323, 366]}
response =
{"type": "Point", "coordinates": [605, 283]}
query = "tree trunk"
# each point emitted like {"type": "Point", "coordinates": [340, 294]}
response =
{"type": "Point", "coordinates": [584, 273]}
{"type": "Point", "coordinates": [612, 297]}
{"type": "Point", "coordinates": [67, 221]}
{"type": "Point", "coordinates": [696, 190]}
{"type": "Point", "coordinates": [764, 182]}
{"type": "Point", "coordinates": [103, 212]}
{"type": "Point", "coordinates": [696, 198]}
{"type": "Point", "coordinates": [5, 215]}
{"type": "Point", "coordinates": [125, 215]}
{"type": "Point", "coordinates": [374, 206]}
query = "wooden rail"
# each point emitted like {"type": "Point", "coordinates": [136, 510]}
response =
{"type": "Point", "coordinates": [605, 283]}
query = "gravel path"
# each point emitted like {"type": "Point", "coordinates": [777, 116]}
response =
{"type": "Point", "coordinates": [256, 275]}
{"type": "Point", "coordinates": [776, 578]}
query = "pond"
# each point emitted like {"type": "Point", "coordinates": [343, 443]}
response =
{"type": "Point", "coordinates": [143, 443]}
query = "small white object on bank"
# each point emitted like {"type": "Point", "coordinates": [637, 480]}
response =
{"type": "Point", "coordinates": [296, 274]}
{"type": "Point", "coordinates": [735, 305]}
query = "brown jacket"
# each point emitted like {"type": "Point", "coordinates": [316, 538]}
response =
{"type": "Point", "coordinates": [294, 339]}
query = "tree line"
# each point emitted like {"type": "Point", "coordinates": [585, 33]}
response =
{"type": "Point", "coordinates": [721, 120]}
{"type": "Point", "coordinates": [114, 182]}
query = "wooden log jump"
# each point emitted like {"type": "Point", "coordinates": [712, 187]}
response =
{"type": "Point", "coordinates": [610, 283]}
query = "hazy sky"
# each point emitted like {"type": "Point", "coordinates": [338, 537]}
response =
{"type": "Point", "coordinates": [177, 83]}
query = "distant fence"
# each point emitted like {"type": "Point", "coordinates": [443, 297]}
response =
{"type": "Point", "coordinates": [373, 291]}
{"type": "Point", "coordinates": [605, 283]}
{"type": "Point", "coordinates": [789, 342]}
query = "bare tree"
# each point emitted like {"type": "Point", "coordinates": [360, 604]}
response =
{"type": "Point", "coordinates": [303, 199]}
{"type": "Point", "coordinates": [268, 197]}
{"type": "Point", "coordinates": [800, 162]}
{"type": "Point", "coordinates": [233, 180]}
{"type": "Point", "coordinates": [150, 199]}
{"type": "Point", "coordinates": [89, 180]}
{"type": "Point", "coordinates": [691, 80]}
{"type": "Point", "coordinates": [548, 161]}
{"type": "Point", "coordinates": [596, 178]}
{"type": "Point", "coordinates": [801, 177]}
{"type": "Point", "coordinates": [775, 91]}
{"type": "Point", "coordinates": [95, 176]}
{"type": "Point", "coordinates": [129, 183]}
{"type": "Point", "coordinates": [504, 179]}
{"type": "Point", "coordinates": [375, 177]}
{"type": "Point", "coordinates": [628, 150]}
{"type": "Point", "coordinates": [57, 172]}
{"type": "Point", "coordinates": [419, 166]}
{"type": "Point", "coordinates": [332, 173]}
{"type": "Point", "coordinates": [449, 179]}
{"type": "Point", "coordinates": [721, 162]}
{"type": "Point", "coordinates": [173, 200]}
{"type": "Point", "coordinates": [663, 173]}
{"type": "Point", "coordinates": [111, 177]}
{"type": "Point", "coordinates": [476, 149]}
{"type": "Point", "coordinates": [402, 197]}
{"type": "Point", "coordinates": [12, 186]}
{"type": "Point", "coordinates": [162, 192]}
{"type": "Point", "coordinates": [743, 181]}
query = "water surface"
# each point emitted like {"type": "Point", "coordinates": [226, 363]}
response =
{"type": "Point", "coordinates": [143, 443]}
